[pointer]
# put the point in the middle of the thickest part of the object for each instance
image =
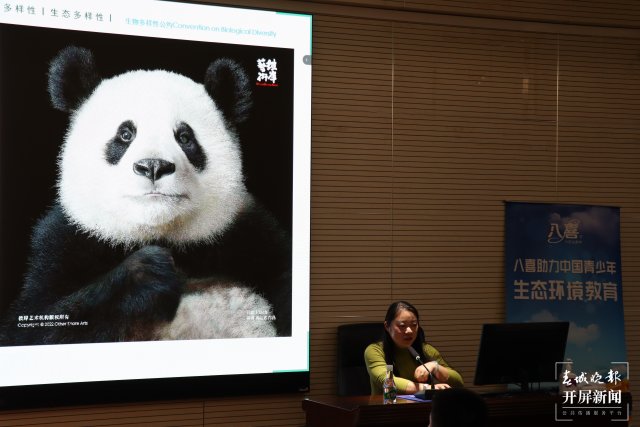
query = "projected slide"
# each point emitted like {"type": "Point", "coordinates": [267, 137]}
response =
{"type": "Point", "coordinates": [155, 162]}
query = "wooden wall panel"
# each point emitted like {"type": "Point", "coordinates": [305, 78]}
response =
{"type": "Point", "coordinates": [616, 12]}
{"type": "Point", "coordinates": [351, 182]}
{"type": "Point", "coordinates": [424, 122]}
{"type": "Point", "coordinates": [475, 126]}
{"type": "Point", "coordinates": [263, 411]}
{"type": "Point", "coordinates": [174, 414]}
{"type": "Point", "coordinates": [600, 152]}
{"type": "Point", "coordinates": [623, 13]}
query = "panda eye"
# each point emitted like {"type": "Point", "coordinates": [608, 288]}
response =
{"type": "Point", "coordinates": [126, 135]}
{"type": "Point", "coordinates": [126, 132]}
{"type": "Point", "coordinates": [187, 140]}
{"type": "Point", "coordinates": [184, 138]}
{"type": "Point", "coordinates": [184, 135]}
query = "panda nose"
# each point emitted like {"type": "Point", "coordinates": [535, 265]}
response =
{"type": "Point", "coordinates": [154, 169]}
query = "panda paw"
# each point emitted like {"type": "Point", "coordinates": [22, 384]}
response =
{"type": "Point", "coordinates": [220, 311]}
{"type": "Point", "coordinates": [152, 285]}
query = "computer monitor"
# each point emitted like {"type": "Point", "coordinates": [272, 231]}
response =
{"type": "Point", "coordinates": [521, 353]}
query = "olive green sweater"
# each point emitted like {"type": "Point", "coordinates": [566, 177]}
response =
{"type": "Point", "coordinates": [404, 366]}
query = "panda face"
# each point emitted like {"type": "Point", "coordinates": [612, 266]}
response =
{"type": "Point", "coordinates": [148, 157]}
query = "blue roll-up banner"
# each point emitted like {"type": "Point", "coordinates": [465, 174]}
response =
{"type": "Point", "coordinates": [562, 263]}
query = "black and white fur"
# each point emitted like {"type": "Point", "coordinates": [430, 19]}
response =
{"type": "Point", "coordinates": [154, 234]}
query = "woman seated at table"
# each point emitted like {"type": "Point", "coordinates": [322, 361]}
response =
{"type": "Point", "coordinates": [401, 331]}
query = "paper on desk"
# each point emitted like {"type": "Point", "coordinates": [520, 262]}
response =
{"type": "Point", "coordinates": [412, 397]}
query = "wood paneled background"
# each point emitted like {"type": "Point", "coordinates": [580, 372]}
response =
{"type": "Point", "coordinates": [426, 117]}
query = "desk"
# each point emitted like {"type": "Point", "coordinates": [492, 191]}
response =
{"type": "Point", "coordinates": [522, 410]}
{"type": "Point", "coordinates": [364, 411]}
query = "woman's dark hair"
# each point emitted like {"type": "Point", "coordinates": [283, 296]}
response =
{"type": "Point", "coordinates": [388, 345]}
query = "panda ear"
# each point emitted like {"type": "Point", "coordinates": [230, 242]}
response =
{"type": "Point", "coordinates": [228, 84]}
{"type": "Point", "coordinates": [72, 78]}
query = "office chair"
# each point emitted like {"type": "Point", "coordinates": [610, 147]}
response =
{"type": "Point", "coordinates": [352, 376]}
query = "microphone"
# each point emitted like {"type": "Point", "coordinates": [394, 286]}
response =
{"type": "Point", "coordinates": [416, 356]}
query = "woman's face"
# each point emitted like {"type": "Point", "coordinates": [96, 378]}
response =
{"type": "Point", "coordinates": [403, 329]}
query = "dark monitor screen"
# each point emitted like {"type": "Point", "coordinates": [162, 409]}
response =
{"type": "Point", "coordinates": [521, 353]}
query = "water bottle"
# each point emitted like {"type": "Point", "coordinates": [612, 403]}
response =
{"type": "Point", "coordinates": [389, 390]}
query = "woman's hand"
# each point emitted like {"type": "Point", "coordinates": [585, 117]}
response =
{"type": "Point", "coordinates": [440, 373]}
{"type": "Point", "coordinates": [441, 386]}
{"type": "Point", "coordinates": [420, 386]}
{"type": "Point", "coordinates": [421, 374]}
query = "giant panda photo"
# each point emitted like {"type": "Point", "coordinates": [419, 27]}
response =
{"type": "Point", "coordinates": [164, 213]}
